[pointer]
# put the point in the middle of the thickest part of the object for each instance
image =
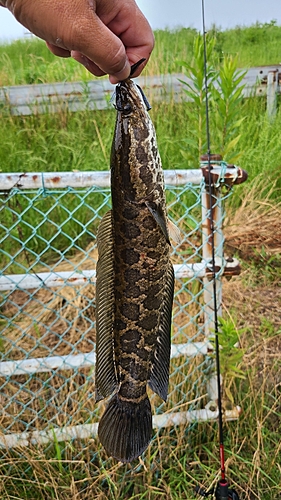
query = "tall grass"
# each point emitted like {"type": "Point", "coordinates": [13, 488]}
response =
{"type": "Point", "coordinates": [174, 464]}
{"type": "Point", "coordinates": [29, 61]}
{"type": "Point", "coordinates": [82, 141]}
{"type": "Point", "coordinates": [69, 141]}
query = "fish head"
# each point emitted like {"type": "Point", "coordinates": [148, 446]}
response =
{"type": "Point", "coordinates": [135, 159]}
{"type": "Point", "coordinates": [130, 99]}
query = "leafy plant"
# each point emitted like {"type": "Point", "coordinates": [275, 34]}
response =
{"type": "Point", "coordinates": [196, 92]}
{"type": "Point", "coordinates": [224, 95]}
{"type": "Point", "coordinates": [226, 101]}
{"type": "Point", "coordinates": [231, 355]}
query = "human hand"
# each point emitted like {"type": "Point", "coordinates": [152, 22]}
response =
{"type": "Point", "coordinates": [106, 36]}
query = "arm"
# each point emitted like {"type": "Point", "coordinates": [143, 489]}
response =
{"type": "Point", "coordinates": [106, 36]}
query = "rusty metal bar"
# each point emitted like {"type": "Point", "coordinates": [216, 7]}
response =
{"type": "Point", "coordinates": [212, 194]}
{"type": "Point", "coordinates": [62, 180]}
{"type": "Point", "coordinates": [77, 361]}
{"type": "Point", "coordinates": [212, 207]}
{"type": "Point", "coordinates": [10, 282]}
{"type": "Point", "coordinates": [207, 243]}
{"type": "Point", "coordinates": [88, 431]}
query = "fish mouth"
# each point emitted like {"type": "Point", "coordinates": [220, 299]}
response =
{"type": "Point", "coordinates": [129, 97]}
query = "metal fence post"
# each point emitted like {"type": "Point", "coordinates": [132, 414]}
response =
{"type": "Point", "coordinates": [271, 92]}
{"type": "Point", "coordinates": [212, 204]}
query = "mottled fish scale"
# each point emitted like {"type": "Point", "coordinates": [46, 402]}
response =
{"type": "Point", "coordinates": [135, 283]}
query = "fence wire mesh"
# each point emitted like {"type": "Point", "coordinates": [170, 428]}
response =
{"type": "Point", "coordinates": [48, 257]}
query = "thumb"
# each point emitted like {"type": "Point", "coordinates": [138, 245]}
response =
{"type": "Point", "coordinates": [99, 45]}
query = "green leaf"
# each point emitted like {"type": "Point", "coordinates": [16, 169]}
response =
{"type": "Point", "coordinates": [233, 143]}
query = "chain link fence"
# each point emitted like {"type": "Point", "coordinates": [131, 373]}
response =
{"type": "Point", "coordinates": [48, 256]}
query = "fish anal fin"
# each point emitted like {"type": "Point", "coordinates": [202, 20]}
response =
{"type": "Point", "coordinates": [160, 369]}
{"type": "Point", "coordinates": [106, 376]}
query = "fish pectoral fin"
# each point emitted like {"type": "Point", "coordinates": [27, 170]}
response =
{"type": "Point", "coordinates": [159, 216]}
{"type": "Point", "coordinates": [106, 375]}
{"type": "Point", "coordinates": [160, 369]}
{"type": "Point", "coordinates": [174, 232]}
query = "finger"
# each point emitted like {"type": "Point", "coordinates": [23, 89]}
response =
{"type": "Point", "coordinates": [94, 40]}
{"type": "Point", "coordinates": [136, 35]}
{"type": "Point", "coordinates": [87, 34]}
{"type": "Point", "coordinates": [139, 69]}
{"type": "Point", "coordinates": [58, 51]}
{"type": "Point", "coordinates": [73, 25]}
{"type": "Point", "coordinates": [89, 65]}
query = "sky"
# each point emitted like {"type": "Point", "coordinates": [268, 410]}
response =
{"type": "Point", "coordinates": [174, 13]}
{"type": "Point", "coordinates": [224, 13]}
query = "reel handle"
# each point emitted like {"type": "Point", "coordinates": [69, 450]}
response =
{"type": "Point", "coordinates": [222, 492]}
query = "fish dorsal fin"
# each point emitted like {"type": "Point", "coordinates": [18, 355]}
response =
{"type": "Point", "coordinates": [159, 375]}
{"type": "Point", "coordinates": [106, 376]}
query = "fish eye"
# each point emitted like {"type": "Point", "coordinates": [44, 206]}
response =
{"type": "Point", "coordinates": [127, 109]}
{"type": "Point", "coordinates": [121, 102]}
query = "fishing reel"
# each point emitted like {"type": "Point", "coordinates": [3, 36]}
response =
{"type": "Point", "coordinates": [221, 492]}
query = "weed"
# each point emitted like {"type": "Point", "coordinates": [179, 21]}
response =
{"type": "Point", "coordinates": [224, 103]}
{"type": "Point", "coordinates": [231, 354]}
{"type": "Point", "coordinates": [196, 92]}
{"type": "Point", "coordinates": [29, 61]}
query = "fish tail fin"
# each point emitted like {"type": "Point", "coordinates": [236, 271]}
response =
{"type": "Point", "coordinates": [125, 429]}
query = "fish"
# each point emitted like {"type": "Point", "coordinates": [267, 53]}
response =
{"type": "Point", "coordinates": [135, 283]}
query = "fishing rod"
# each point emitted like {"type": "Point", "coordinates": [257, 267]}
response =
{"type": "Point", "coordinates": [222, 491]}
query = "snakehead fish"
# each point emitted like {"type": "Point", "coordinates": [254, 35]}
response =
{"type": "Point", "coordinates": [135, 283]}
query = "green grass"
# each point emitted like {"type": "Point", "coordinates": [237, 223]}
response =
{"type": "Point", "coordinates": [174, 464]}
{"type": "Point", "coordinates": [69, 141]}
{"type": "Point", "coordinates": [29, 61]}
